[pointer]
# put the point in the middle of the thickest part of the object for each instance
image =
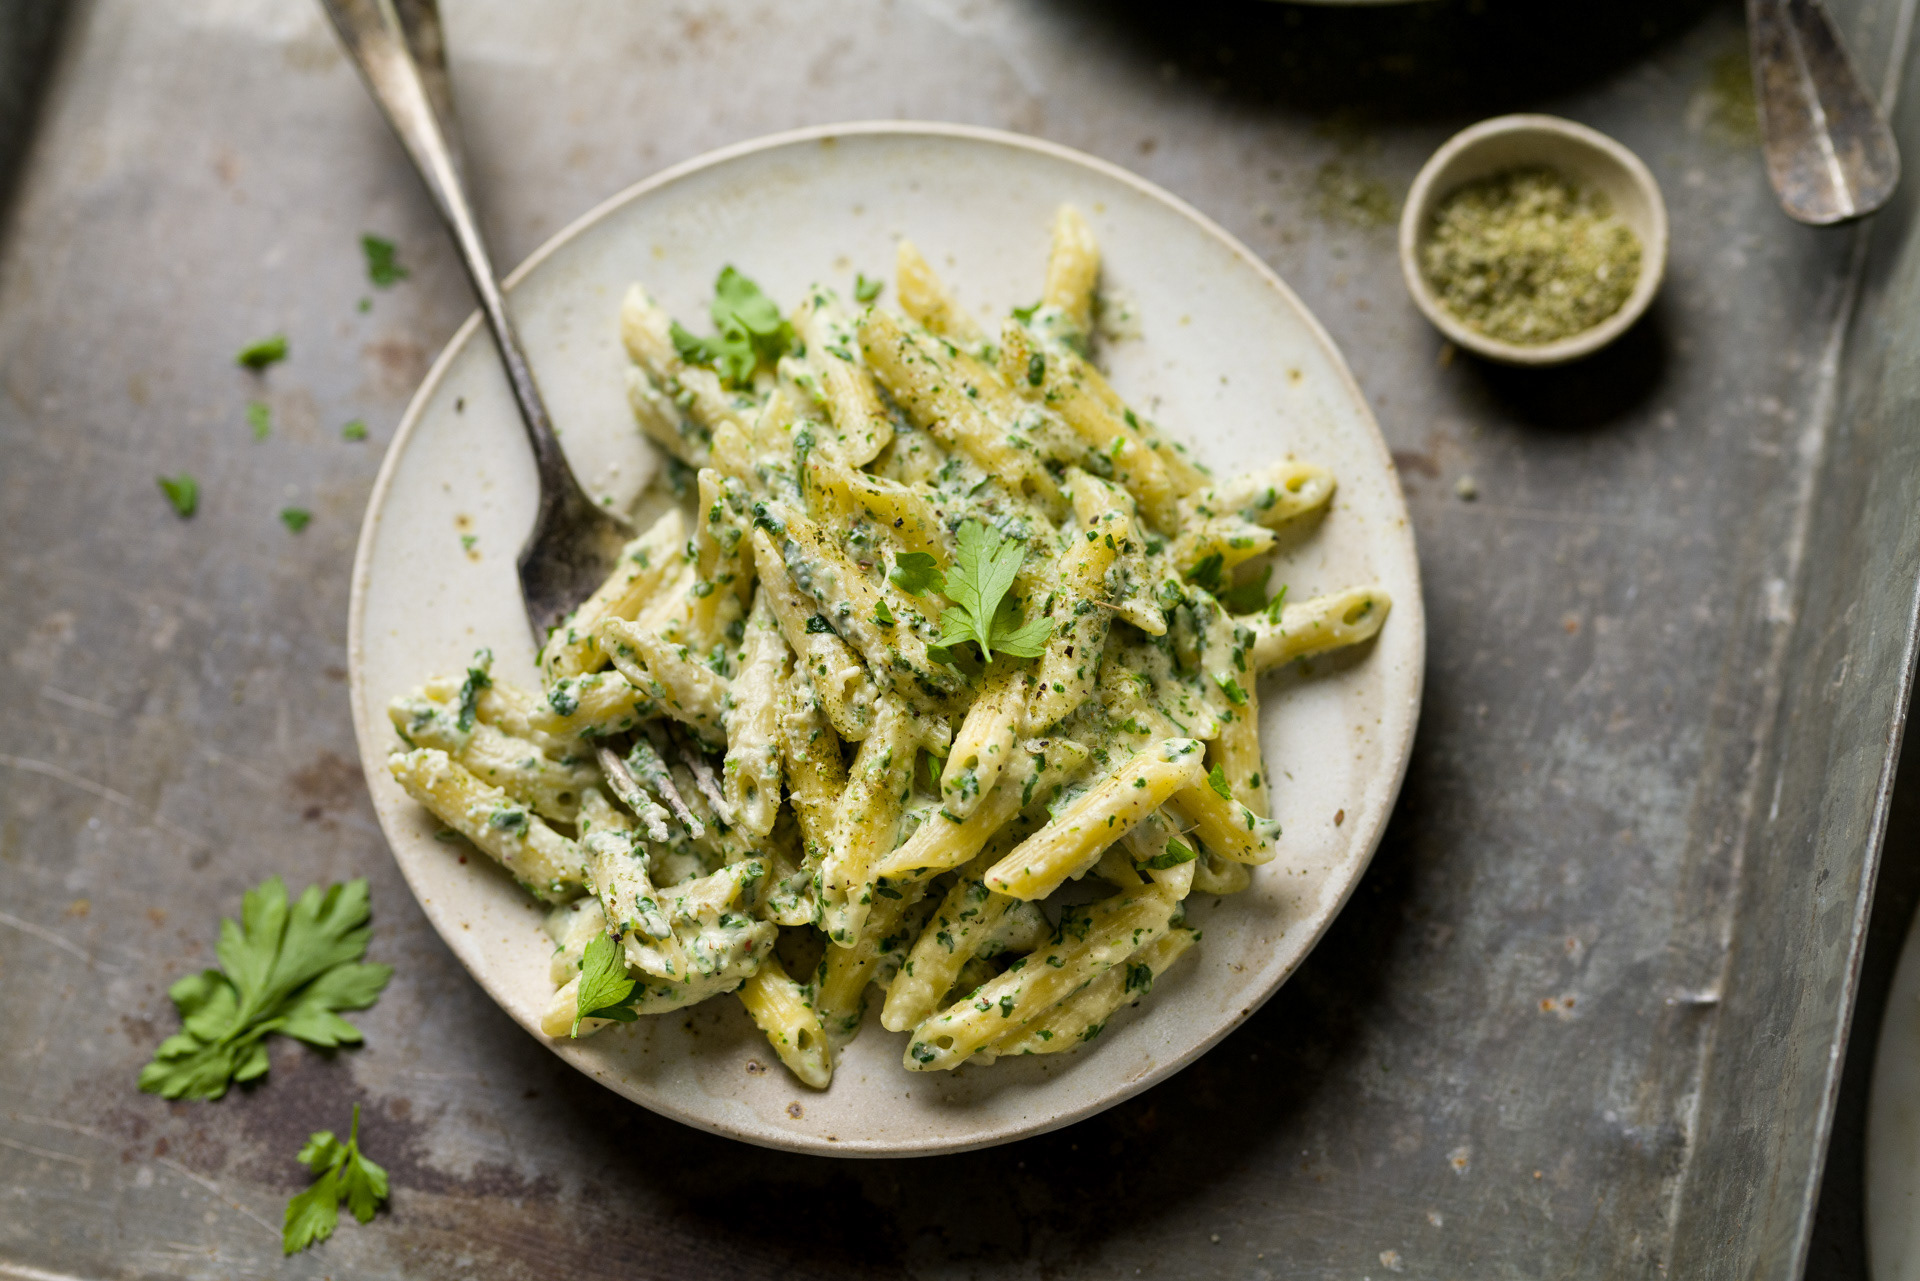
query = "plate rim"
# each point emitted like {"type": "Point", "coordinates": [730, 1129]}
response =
{"type": "Point", "coordinates": [1409, 614]}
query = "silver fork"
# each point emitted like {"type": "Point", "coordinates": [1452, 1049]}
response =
{"type": "Point", "coordinates": [397, 45]}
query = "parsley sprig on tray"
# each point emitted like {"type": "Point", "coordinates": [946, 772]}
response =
{"type": "Point", "coordinates": [344, 1174]}
{"type": "Point", "coordinates": [285, 967]}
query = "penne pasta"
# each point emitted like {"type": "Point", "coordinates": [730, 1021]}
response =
{"type": "Point", "coordinates": [780, 1008]}
{"type": "Point", "coordinates": [1105, 936]}
{"type": "Point", "coordinates": [545, 862]}
{"type": "Point", "coordinates": [935, 625]}
{"type": "Point", "coordinates": [1080, 833]}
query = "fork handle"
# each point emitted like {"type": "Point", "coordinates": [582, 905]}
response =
{"type": "Point", "coordinates": [399, 53]}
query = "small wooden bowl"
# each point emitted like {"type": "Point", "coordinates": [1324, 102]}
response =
{"type": "Point", "coordinates": [1586, 156]}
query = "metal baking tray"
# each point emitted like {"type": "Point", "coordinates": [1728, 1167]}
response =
{"type": "Point", "coordinates": [1584, 1016]}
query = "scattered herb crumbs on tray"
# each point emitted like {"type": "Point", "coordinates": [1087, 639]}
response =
{"type": "Point", "coordinates": [260, 418]}
{"type": "Point", "coordinates": [266, 352]}
{"type": "Point", "coordinates": [285, 967]}
{"type": "Point", "coordinates": [383, 264]}
{"type": "Point", "coordinates": [343, 1173]}
{"type": "Point", "coordinates": [1527, 257]}
{"type": "Point", "coordinates": [295, 518]}
{"type": "Point", "coordinates": [355, 430]}
{"type": "Point", "coordinates": [183, 491]}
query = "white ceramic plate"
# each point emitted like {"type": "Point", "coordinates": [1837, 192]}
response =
{"type": "Point", "coordinates": [1226, 355]}
{"type": "Point", "coordinates": [1893, 1128]}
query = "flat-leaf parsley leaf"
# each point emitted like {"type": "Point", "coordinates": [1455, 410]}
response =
{"type": "Point", "coordinates": [183, 491]}
{"type": "Point", "coordinates": [985, 563]}
{"type": "Point", "coordinates": [344, 1173]}
{"type": "Point", "coordinates": [258, 355]}
{"type": "Point", "coordinates": [383, 264]}
{"type": "Point", "coordinates": [286, 968]}
{"type": "Point", "coordinates": [606, 990]}
{"type": "Point", "coordinates": [750, 330]}
{"type": "Point", "coordinates": [914, 572]}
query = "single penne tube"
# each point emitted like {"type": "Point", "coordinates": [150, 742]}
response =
{"type": "Point", "coordinates": [845, 972]}
{"type": "Point", "coordinates": [1183, 474]}
{"type": "Point", "coordinates": [647, 332]}
{"type": "Point", "coordinates": [1237, 751]}
{"type": "Point", "coordinates": [906, 511]}
{"type": "Point", "coordinates": [645, 566]}
{"type": "Point", "coordinates": [1069, 668]}
{"type": "Point", "coordinates": [664, 422]}
{"type": "Point", "coordinates": [1076, 837]}
{"type": "Point", "coordinates": [508, 708]}
{"type": "Point", "coordinates": [861, 427]}
{"type": "Point", "coordinates": [1228, 537]}
{"type": "Point", "coordinates": [779, 1008]}
{"type": "Point", "coordinates": [927, 381]}
{"type": "Point", "coordinates": [985, 743]}
{"type": "Point", "coordinates": [723, 561]}
{"type": "Point", "coordinates": [596, 705]}
{"type": "Point", "coordinates": [752, 718]}
{"type": "Point", "coordinates": [1215, 875]}
{"type": "Point", "coordinates": [545, 862]}
{"type": "Point", "coordinates": [867, 822]}
{"type": "Point", "coordinates": [1073, 269]}
{"type": "Point", "coordinates": [816, 771]}
{"type": "Point", "coordinates": [677, 682]}
{"type": "Point", "coordinates": [946, 840]}
{"type": "Point", "coordinates": [951, 937]}
{"type": "Point", "coordinates": [846, 689]}
{"type": "Point", "coordinates": [1081, 1017]}
{"type": "Point", "coordinates": [516, 765]}
{"type": "Point", "coordinates": [1269, 496]}
{"type": "Point", "coordinates": [924, 297]}
{"type": "Point", "coordinates": [1110, 932]}
{"type": "Point", "coordinates": [1316, 626]}
{"type": "Point", "coordinates": [1223, 824]}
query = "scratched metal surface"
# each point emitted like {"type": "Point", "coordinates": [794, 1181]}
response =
{"type": "Point", "coordinates": [1581, 1018]}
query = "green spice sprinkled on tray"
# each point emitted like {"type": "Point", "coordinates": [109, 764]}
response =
{"type": "Point", "coordinates": [1527, 257]}
{"type": "Point", "coordinates": [268, 351]}
{"type": "Point", "coordinates": [183, 491]}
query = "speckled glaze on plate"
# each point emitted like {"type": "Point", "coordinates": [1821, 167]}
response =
{"type": "Point", "coordinates": [1225, 357]}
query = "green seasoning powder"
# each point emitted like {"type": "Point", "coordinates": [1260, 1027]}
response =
{"type": "Point", "coordinates": [1528, 258]}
